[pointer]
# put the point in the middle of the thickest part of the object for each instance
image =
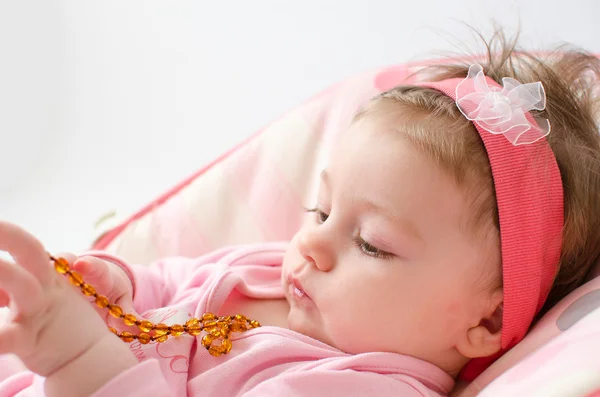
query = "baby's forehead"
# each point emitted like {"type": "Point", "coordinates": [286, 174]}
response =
{"type": "Point", "coordinates": [403, 176]}
{"type": "Point", "coordinates": [398, 125]}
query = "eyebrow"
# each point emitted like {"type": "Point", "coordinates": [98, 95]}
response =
{"type": "Point", "coordinates": [407, 226]}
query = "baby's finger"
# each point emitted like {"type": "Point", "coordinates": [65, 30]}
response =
{"type": "Point", "coordinates": [26, 250]}
{"type": "Point", "coordinates": [25, 289]}
{"type": "Point", "coordinates": [4, 298]}
{"type": "Point", "coordinates": [96, 273]}
{"type": "Point", "coordinates": [71, 258]}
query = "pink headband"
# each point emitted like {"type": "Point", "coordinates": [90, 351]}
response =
{"type": "Point", "coordinates": [528, 189]}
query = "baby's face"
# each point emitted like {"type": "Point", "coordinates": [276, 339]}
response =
{"type": "Point", "coordinates": [386, 262]}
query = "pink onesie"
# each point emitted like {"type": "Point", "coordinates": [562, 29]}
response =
{"type": "Point", "coordinates": [266, 361]}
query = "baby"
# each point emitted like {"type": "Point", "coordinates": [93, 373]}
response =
{"type": "Point", "coordinates": [453, 214]}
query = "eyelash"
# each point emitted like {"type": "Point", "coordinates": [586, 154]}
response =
{"type": "Point", "coordinates": [370, 250]}
{"type": "Point", "coordinates": [364, 246]}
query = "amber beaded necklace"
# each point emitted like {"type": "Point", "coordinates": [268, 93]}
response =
{"type": "Point", "coordinates": [216, 328]}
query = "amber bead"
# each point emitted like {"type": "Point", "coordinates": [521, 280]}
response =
{"type": "Point", "coordinates": [240, 318]}
{"type": "Point", "coordinates": [226, 346]}
{"type": "Point", "coordinates": [115, 311]}
{"type": "Point", "coordinates": [144, 338]}
{"type": "Point", "coordinates": [88, 290]}
{"type": "Point", "coordinates": [208, 316]}
{"type": "Point", "coordinates": [215, 332]}
{"type": "Point", "coordinates": [114, 331]}
{"type": "Point", "coordinates": [61, 265]}
{"type": "Point", "coordinates": [194, 329]}
{"type": "Point", "coordinates": [215, 351]}
{"type": "Point", "coordinates": [176, 329]}
{"type": "Point", "coordinates": [161, 338]}
{"type": "Point", "coordinates": [254, 324]}
{"type": "Point", "coordinates": [129, 319]}
{"type": "Point", "coordinates": [126, 336]}
{"type": "Point", "coordinates": [161, 329]}
{"type": "Point", "coordinates": [101, 301]}
{"type": "Point", "coordinates": [210, 324]}
{"type": "Point", "coordinates": [207, 340]}
{"type": "Point", "coordinates": [225, 330]}
{"type": "Point", "coordinates": [145, 326]}
{"type": "Point", "coordinates": [239, 327]}
{"type": "Point", "coordinates": [75, 278]}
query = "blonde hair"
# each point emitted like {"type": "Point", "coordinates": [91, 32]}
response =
{"type": "Point", "coordinates": [434, 124]}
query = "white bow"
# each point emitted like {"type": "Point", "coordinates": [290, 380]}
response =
{"type": "Point", "coordinates": [503, 111]}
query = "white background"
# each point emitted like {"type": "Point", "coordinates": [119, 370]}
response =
{"type": "Point", "coordinates": [105, 104]}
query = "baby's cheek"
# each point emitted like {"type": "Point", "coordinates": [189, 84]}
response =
{"type": "Point", "coordinates": [454, 309]}
{"type": "Point", "coordinates": [357, 325]}
{"type": "Point", "coordinates": [453, 317]}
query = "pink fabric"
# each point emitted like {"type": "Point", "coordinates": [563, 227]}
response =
{"type": "Point", "coordinates": [529, 195]}
{"type": "Point", "coordinates": [267, 361]}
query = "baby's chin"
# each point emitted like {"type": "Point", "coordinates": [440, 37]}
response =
{"type": "Point", "coordinates": [306, 327]}
{"type": "Point", "coordinates": [341, 343]}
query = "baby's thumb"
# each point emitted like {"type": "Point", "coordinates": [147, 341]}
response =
{"type": "Point", "coordinates": [96, 273]}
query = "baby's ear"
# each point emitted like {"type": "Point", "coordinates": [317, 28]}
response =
{"type": "Point", "coordinates": [485, 338]}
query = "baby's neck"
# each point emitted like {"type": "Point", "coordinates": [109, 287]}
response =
{"type": "Point", "coordinates": [452, 362]}
{"type": "Point", "coordinates": [273, 312]}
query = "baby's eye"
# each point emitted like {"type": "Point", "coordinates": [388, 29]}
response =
{"type": "Point", "coordinates": [321, 216]}
{"type": "Point", "coordinates": [371, 250]}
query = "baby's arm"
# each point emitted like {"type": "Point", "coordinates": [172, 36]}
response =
{"type": "Point", "coordinates": [162, 282]}
{"type": "Point", "coordinates": [94, 367]}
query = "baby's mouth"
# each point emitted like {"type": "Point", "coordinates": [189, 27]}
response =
{"type": "Point", "coordinates": [296, 287]}
{"type": "Point", "coordinates": [298, 292]}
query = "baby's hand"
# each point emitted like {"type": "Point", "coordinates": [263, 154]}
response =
{"type": "Point", "coordinates": [51, 324]}
{"type": "Point", "coordinates": [108, 279]}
